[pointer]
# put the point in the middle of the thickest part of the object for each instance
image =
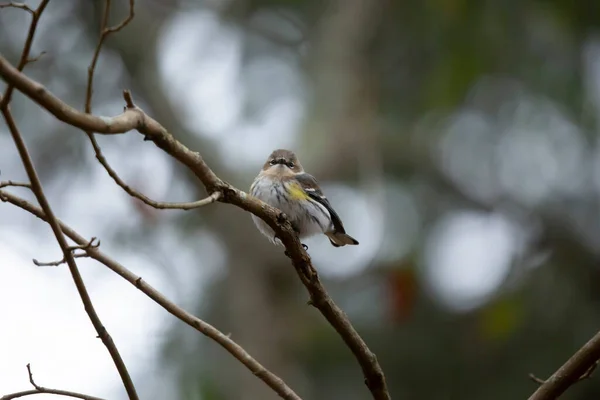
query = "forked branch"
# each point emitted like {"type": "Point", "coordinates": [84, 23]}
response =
{"type": "Point", "coordinates": [40, 390]}
{"type": "Point", "coordinates": [272, 380]}
{"type": "Point", "coordinates": [133, 118]}
{"type": "Point", "coordinates": [38, 191]}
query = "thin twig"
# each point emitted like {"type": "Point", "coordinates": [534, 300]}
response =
{"type": "Point", "coordinates": [58, 262]}
{"type": "Point", "coordinates": [140, 196]}
{"type": "Point", "coordinates": [92, 244]}
{"type": "Point", "coordinates": [135, 118]}
{"type": "Point", "coordinates": [35, 17]}
{"type": "Point", "coordinates": [40, 389]}
{"type": "Point", "coordinates": [14, 184]}
{"type": "Point", "coordinates": [21, 6]}
{"type": "Point", "coordinates": [36, 58]}
{"type": "Point", "coordinates": [276, 383]}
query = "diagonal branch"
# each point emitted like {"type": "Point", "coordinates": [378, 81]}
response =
{"type": "Point", "coordinates": [276, 383]}
{"type": "Point", "coordinates": [134, 118]}
{"type": "Point", "coordinates": [37, 189]}
{"type": "Point", "coordinates": [40, 390]}
{"type": "Point", "coordinates": [578, 367]}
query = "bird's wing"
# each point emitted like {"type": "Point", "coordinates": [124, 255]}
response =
{"type": "Point", "coordinates": [311, 188]}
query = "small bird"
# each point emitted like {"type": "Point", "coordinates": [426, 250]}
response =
{"type": "Point", "coordinates": [283, 184]}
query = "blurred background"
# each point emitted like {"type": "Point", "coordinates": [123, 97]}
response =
{"type": "Point", "coordinates": [457, 139]}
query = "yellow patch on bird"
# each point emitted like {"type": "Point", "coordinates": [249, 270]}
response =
{"type": "Point", "coordinates": [296, 192]}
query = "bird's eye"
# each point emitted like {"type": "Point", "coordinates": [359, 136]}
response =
{"type": "Point", "coordinates": [290, 164]}
{"type": "Point", "coordinates": [272, 162]}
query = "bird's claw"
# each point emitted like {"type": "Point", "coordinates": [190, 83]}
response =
{"type": "Point", "coordinates": [305, 247]}
{"type": "Point", "coordinates": [281, 218]}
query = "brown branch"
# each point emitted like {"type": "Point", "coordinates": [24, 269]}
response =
{"type": "Point", "coordinates": [89, 245]}
{"type": "Point", "coordinates": [276, 383]}
{"type": "Point", "coordinates": [140, 196]}
{"type": "Point", "coordinates": [104, 32]}
{"type": "Point", "coordinates": [21, 6]}
{"type": "Point", "coordinates": [58, 262]}
{"type": "Point", "coordinates": [586, 375]}
{"type": "Point", "coordinates": [35, 17]}
{"type": "Point", "coordinates": [14, 184]}
{"type": "Point", "coordinates": [38, 191]}
{"type": "Point", "coordinates": [134, 118]}
{"type": "Point", "coordinates": [580, 366]}
{"type": "Point", "coordinates": [40, 390]}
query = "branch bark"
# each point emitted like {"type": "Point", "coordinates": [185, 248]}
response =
{"type": "Point", "coordinates": [571, 371]}
{"type": "Point", "coordinates": [134, 118]}
{"type": "Point", "coordinates": [272, 380]}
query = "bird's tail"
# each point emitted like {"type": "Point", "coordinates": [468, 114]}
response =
{"type": "Point", "coordinates": [339, 239]}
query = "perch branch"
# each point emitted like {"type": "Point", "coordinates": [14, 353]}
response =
{"type": "Point", "coordinates": [133, 118]}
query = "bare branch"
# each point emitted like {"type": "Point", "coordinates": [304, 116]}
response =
{"type": "Point", "coordinates": [14, 184]}
{"type": "Point", "coordinates": [126, 21]}
{"type": "Point", "coordinates": [36, 58]}
{"type": "Point", "coordinates": [59, 262]}
{"type": "Point", "coordinates": [38, 191]}
{"type": "Point", "coordinates": [40, 389]}
{"type": "Point", "coordinates": [104, 32]}
{"type": "Point", "coordinates": [140, 196]}
{"type": "Point", "coordinates": [586, 375]}
{"type": "Point", "coordinates": [135, 118]}
{"type": "Point", "coordinates": [84, 247]}
{"type": "Point", "coordinates": [579, 367]}
{"type": "Point", "coordinates": [35, 17]}
{"type": "Point", "coordinates": [276, 383]}
{"type": "Point", "coordinates": [22, 6]}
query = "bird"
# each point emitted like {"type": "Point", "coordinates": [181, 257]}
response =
{"type": "Point", "coordinates": [283, 184]}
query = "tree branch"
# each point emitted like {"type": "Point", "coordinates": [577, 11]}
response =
{"type": "Point", "coordinates": [35, 17]}
{"type": "Point", "coordinates": [578, 367]}
{"type": "Point", "coordinates": [14, 184]}
{"type": "Point", "coordinates": [105, 30]}
{"type": "Point", "coordinates": [21, 6]}
{"type": "Point", "coordinates": [38, 191]}
{"type": "Point", "coordinates": [135, 118]}
{"type": "Point", "coordinates": [36, 188]}
{"type": "Point", "coordinates": [40, 390]}
{"type": "Point", "coordinates": [272, 380]}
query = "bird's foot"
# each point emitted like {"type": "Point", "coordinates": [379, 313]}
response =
{"type": "Point", "coordinates": [281, 218]}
